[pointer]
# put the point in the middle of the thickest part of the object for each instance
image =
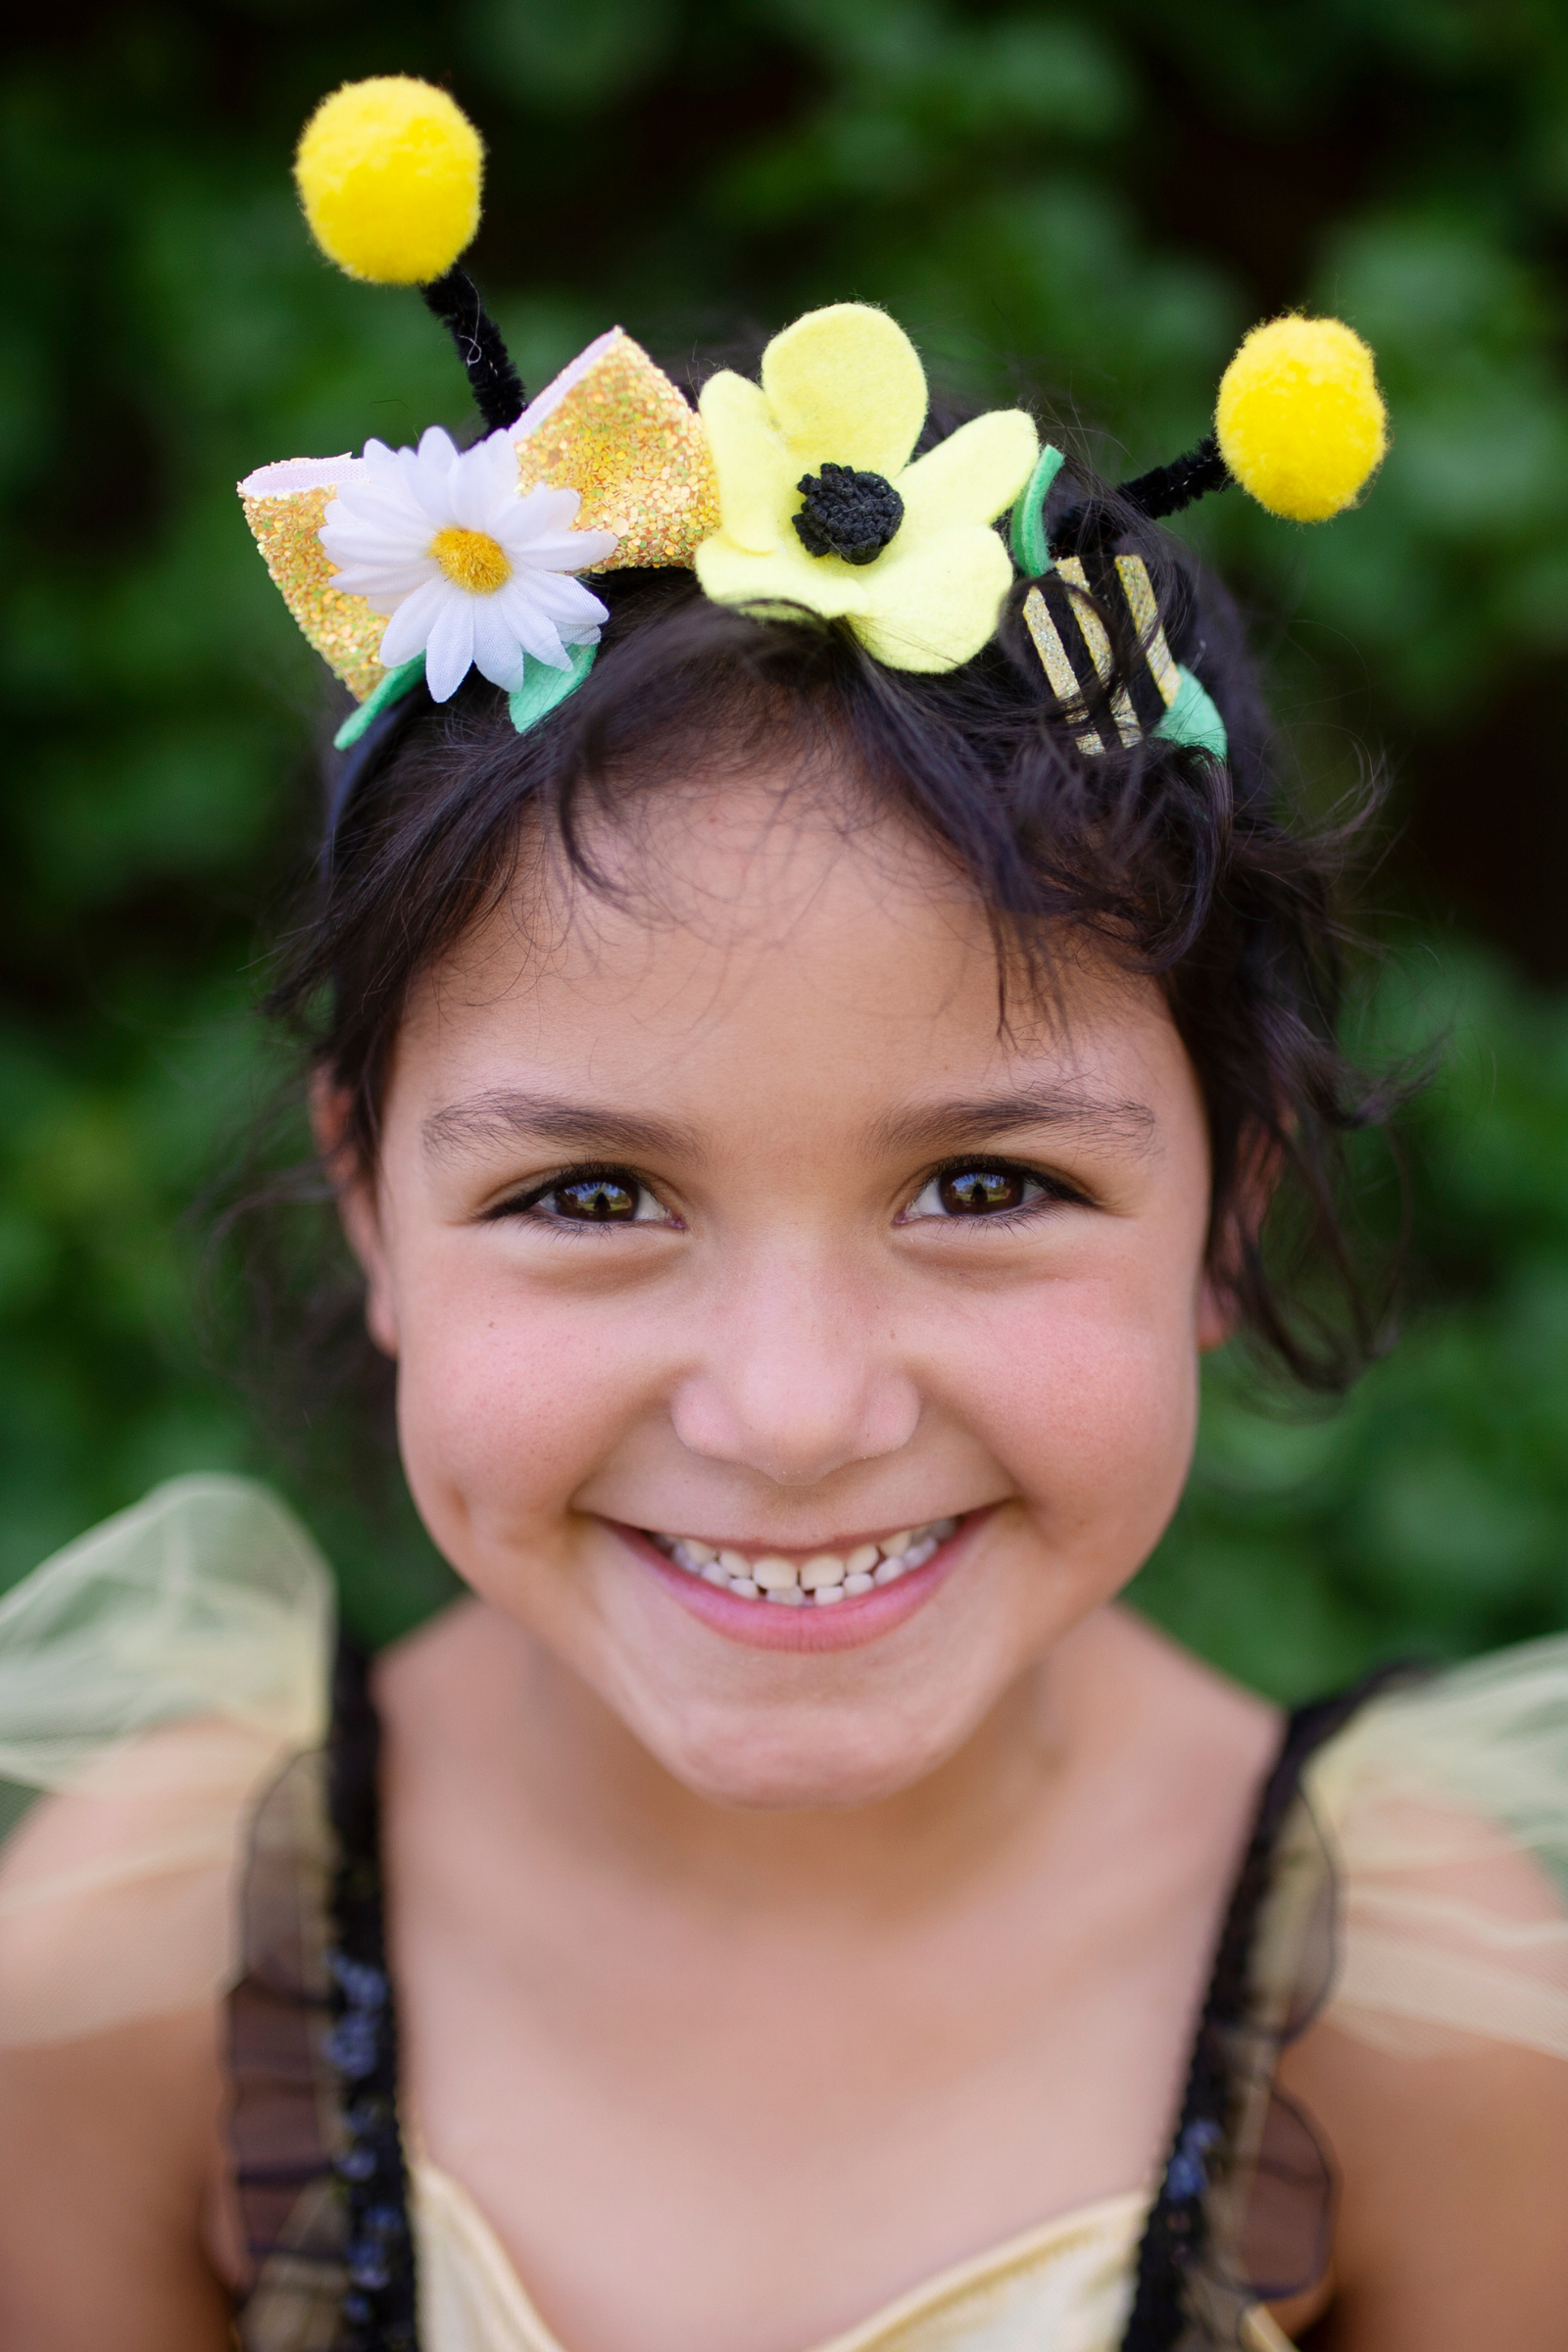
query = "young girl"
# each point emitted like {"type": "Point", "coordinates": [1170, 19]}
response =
{"type": "Point", "coordinates": [806, 1054]}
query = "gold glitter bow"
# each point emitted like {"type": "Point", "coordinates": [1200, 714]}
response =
{"type": "Point", "coordinates": [611, 426]}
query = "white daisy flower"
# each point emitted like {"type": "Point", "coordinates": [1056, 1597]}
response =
{"type": "Point", "coordinates": [473, 574]}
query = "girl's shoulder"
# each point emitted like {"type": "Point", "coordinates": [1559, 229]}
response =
{"type": "Point", "coordinates": [154, 1678]}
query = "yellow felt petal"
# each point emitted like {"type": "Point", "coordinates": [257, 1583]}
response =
{"type": "Point", "coordinates": [753, 469]}
{"type": "Point", "coordinates": [972, 476]}
{"type": "Point", "coordinates": [732, 575]}
{"type": "Point", "coordinates": [847, 386]}
{"type": "Point", "coordinates": [936, 602]}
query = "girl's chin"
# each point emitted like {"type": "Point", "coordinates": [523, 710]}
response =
{"type": "Point", "coordinates": [806, 1624]}
{"type": "Point", "coordinates": [811, 1783]}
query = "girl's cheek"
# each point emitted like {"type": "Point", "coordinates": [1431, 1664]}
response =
{"type": "Point", "coordinates": [504, 1413]}
{"type": "Point", "coordinates": [1092, 1409]}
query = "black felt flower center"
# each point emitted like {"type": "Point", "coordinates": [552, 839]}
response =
{"type": "Point", "coordinates": [846, 514]}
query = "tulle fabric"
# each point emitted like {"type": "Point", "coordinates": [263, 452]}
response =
{"type": "Point", "coordinates": [154, 1677]}
{"type": "Point", "coordinates": [1446, 1807]}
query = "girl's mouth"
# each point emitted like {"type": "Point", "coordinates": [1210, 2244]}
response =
{"type": "Point", "coordinates": [813, 1579]}
{"type": "Point", "coordinates": [808, 1600]}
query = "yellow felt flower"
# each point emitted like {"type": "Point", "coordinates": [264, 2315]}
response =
{"type": "Point", "coordinates": [910, 559]}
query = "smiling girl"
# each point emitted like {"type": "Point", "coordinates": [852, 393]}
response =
{"type": "Point", "coordinates": [804, 1081]}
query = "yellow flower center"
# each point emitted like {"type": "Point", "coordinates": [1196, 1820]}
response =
{"type": "Point", "coordinates": [471, 559]}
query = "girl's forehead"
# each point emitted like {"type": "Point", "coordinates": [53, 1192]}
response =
{"type": "Point", "coordinates": [746, 944]}
{"type": "Point", "coordinates": [725, 887]}
{"type": "Point", "coordinates": [742, 896]}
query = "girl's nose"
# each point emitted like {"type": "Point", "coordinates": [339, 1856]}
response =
{"type": "Point", "coordinates": [794, 1383]}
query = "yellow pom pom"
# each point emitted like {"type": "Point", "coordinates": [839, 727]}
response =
{"type": "Point", "coordinates": [389, 172]}
{"type": "Point", "coordinates": [1299, 417]}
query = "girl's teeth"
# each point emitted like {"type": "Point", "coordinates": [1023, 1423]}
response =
{"type": "Point", "coordinates": [826, 1577]}
{"type": "Point", "coordinates": [775, 1574]}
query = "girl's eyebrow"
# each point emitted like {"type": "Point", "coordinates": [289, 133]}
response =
{"type": "Point", "coordinates": [971, 1119]}
{"type": "Point", "coordinates": [503, 1116]}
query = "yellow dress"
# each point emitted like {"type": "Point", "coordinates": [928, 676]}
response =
{"type": "Point", "coordinates": [162, 1675]}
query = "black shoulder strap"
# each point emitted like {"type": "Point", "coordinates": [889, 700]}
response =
{"type": "Point", "coordinates": [1176, 2231]}
{"type": "Point", "coordinates": [378, 2307]}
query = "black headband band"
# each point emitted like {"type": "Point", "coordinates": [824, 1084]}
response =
{"type": "Point", "coordinates": [360, 760]}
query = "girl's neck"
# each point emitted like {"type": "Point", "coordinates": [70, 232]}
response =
{"type": "Point", "coordinates": [549, 1762]}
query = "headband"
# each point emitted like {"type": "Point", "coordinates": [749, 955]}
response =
{"type": "Point", "coordinates": [797, 494]}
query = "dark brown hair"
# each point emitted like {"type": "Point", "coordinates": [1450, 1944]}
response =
{"type": "Point", "coordinates": [1183, 867]}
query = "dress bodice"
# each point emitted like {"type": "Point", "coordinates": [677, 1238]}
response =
{"type": "Point", "coordinates": [1065, 2285]}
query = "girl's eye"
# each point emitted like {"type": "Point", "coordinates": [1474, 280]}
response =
{"type": "Point", "coordinates": [589, 1196]}
{"type": "Point", "coordinates": [977, 1191]}
{"type": "Point", "coordinates": [596, 1201]}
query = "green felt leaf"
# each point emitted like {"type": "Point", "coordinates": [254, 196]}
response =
{"type": "Point", "coordinates": [1192, 720]}
{"type": "Point", "coordinates": [542, 687]}
{"type": "Point", "coordinates": [393, 687]}
{"type": "Point", "coordinates": [1030, 550]}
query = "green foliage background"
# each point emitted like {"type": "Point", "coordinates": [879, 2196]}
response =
{"type": "Point", "coordinates": [1099, 199]}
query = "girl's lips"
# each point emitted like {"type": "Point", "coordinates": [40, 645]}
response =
{"type": "Point", "coordinates": [856, 1621]}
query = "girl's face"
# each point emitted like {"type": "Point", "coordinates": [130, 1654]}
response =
{"type": "Point", "coordinates": [720, 1229]}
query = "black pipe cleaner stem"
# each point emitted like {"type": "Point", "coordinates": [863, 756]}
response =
{"type": "Point", "coordinates": [1163, 491]}
{"type": "Point", "coordinates": [1168, 488]}
{"type": "Point", "coordinates": [493, 381]}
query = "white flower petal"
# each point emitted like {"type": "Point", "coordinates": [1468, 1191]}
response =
{"type": "Point", "coordinates": [426, 487]}
{"type": "Point", "coordinates": [347, 543]}
{"type": "Point", "coordinates": [477, 496]}
{"type": "Point", "coordinates": [383, 586]}
{"type": "Point", "coordinates": [594, 547]}
{"type": "Point", "coordinates": [563, 551]}
{"type": "Point", "coordinates": [545, 510]}
{"type": "Point", "coordinates": [408, 632]}
{"type": "Point", "coordinates": [532, 628]}
{"type": "Point", "coordinates": [449, 652]}
{"type": "Point", "coordinates": [369, 528]}
{"type": "Point", "coordinates": [497, 655]}
{"type": "Point", "coordinates": [500, 453]}
{"type": "Point", "coordinates": [437, 449]}
{"type": "Point", "coordinates": [384, 502]}
{"type": "Point", "coordinates": [561, 598]}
